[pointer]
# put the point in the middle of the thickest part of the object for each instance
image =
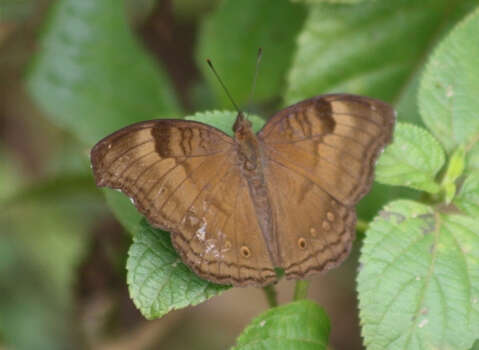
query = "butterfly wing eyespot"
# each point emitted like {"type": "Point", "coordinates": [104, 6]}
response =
{"type": "Point", "coordinates": [245, 252]}
{"type": "Point", "coordinates": [180, 175]}
{"type": "Point", "coordinates": [302, 243]}
{"type": "Point", "coordinates": [320, 156]}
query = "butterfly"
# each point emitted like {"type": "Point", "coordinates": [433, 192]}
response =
{"type": "Point", "coordinates": [240, 207]}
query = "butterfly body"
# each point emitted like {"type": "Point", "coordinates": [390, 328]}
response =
{"type": "Point", "coordinates": [240, 207]}
{"type": "Point", "coordinates": [251, 160]}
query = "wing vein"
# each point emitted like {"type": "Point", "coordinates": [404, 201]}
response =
{"type": "Point", "coordinates": [325, 159]}
{"type": "Point", "coordinates": [182, 183]}
{"type": "Point", "coordinates": [298, 173]}
{"type": "Point", "coordinates": [128, 151]}
{"type": "Point", "coordinates": [201, 191]}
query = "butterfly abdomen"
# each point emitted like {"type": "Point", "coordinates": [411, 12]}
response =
{"type": "Point", "coordinates": [250, 162]}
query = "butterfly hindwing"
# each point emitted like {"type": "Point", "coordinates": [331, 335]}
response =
{"type": "Point", "coordinates": [315, 230]}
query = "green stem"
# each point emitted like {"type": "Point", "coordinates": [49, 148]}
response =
{"type": "Point", "coordinates": [271, 295]}
{"type": "Point", "coordinates": [301, 290]}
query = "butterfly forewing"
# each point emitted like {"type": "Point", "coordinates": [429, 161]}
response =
{"type": "Point", "coordinates": [319, 162]}
{"type": "Point", "coordinates": [184, 177]}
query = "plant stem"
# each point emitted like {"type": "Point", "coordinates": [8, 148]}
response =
{"type": "Point", "coordinates": [271, 295]}
{"type": "Point", "coordinates": [301, 290]}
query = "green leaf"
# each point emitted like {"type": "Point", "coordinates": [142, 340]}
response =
{"type": "Point", "coordinates": [468, 197]}
{"type": "Point", "coordinates": [124, 211]}
{"type": "Point", "coordinates": [454, 170]}
{"type": "Point", "coordinates": [419, 279]}
{"type": "Point", "coordinates": [158, 281]}
{"type": "Point", "coordinates": [90, 74]}
{"type": "Point", "coordinates": [191, 9]}
{"type": "Point", "coordinates": [413, 159]}
{"type": "Point", "coordinates": [456, 165]}
{"type": "Point", "coordinates": [372, 48]}
{"type": "Point", "coordinates": [301, 325]}
{"type": "Point", "coordinates": [231, 36]}
{"type": "Point", "coordinates": [473, 158]}
{"type": "Point", "coordinates": [447, 100]}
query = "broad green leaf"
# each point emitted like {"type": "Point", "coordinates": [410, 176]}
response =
{"type": "Point", "coordinates": [476, 345]}
{"type": "Point", "coordinates": [413, 159]}
{"type": "Point", "coordinates": [301, 325]}
{"type": "Point", "coordinates": [468, 197]}
{"type": "Point", "coordinates": [231, 36]}
{"type": "Point", "coordinates": [373, 48]}
{"type": "Point", "coordinates": [90, 74]}
{"type": "Point", "coordinates": [158, 281]}
{"type": "Point", "coordinates": [419, 279]}
{"type": "Point", "coordinates": [447, 100]}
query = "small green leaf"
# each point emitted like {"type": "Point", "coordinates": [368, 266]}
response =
{"type": "Point", "coordinates": [454, 170]}
{"type": "Point", "coordinates": [468, 197]}
{"type": "Point", "coordinates": [413, 159]}
{"type": "Point", "coordinates": [158, 281]}
{"type": "Point", "coordinates": [419, 279]}
{"type": "Point", "coordinates": [231, 36]}
{"type": "Point", "coordinates": [447, 100]}
{"type": "Point", "coordinates": [90, 74]}
{"type": "Point", "coordinates": [301, 325]}
{"type": "Point", "coordinates": [455, 166]}
{"type": "Point", "coordinates": [449, 192]}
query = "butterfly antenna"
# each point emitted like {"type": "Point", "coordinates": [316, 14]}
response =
{"type": "Point", "coordinates": [253, 88]}
{"type": "Point", "coordinates": [223, 85]}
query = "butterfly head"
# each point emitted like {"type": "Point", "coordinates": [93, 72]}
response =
{"type": "Point", "coordinates": [242, 126]}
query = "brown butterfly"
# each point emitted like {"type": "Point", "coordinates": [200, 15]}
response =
{"type": "Point", "coordinates": [237, 208]}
